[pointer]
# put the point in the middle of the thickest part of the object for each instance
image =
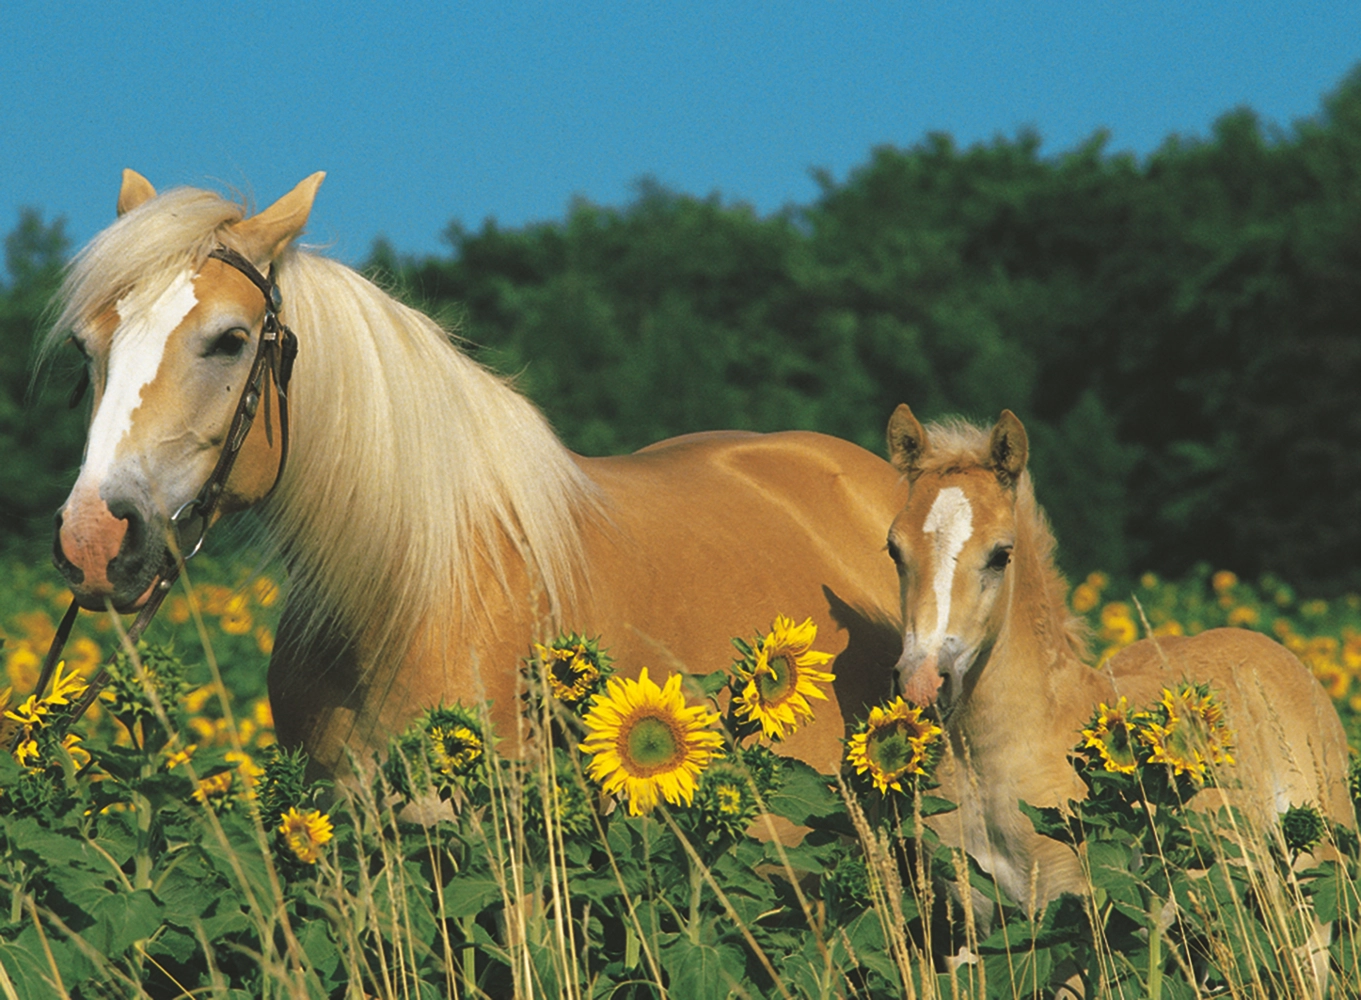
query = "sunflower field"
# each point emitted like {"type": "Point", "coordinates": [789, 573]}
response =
{"type": "Point", "coordinates": [654, 844]}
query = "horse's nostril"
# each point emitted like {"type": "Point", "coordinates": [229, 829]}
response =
{"type": "Point", "coordinates": [130, 562]}
{"type": "Point", "coordinates": [73, 573]}
{"type": "Point", "coordinates": [135, 538]}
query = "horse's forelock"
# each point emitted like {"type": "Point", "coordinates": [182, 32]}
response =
{"type": "Point", "coordinates": [145, 249]}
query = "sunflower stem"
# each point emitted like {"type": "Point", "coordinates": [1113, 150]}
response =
{"type": "Point", "coordinates": [696, 888]}
{"type": "Point", "coordinates": [631, 947]}
{"type": "Point", "coordinates": [1155, 954]}
{"type": "Point", "coordinates": [141, 807]}
{"type": "Point", "coordinates": [469, 969]}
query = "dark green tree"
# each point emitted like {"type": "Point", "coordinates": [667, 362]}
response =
{"type": "Point", "coordinates": [39, 434]}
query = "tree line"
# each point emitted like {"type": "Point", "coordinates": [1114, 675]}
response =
{"type": "Point", "coordinates": [1178, 332]}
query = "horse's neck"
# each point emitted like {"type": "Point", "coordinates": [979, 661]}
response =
{"type": "Point", "coordinates": [444, 491]}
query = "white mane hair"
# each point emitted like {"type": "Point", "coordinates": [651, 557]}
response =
{"type": "Point", "coordinates": [412, 470]}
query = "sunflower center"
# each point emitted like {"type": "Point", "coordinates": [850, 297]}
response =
{"type": "Point", "coordinates": [1118, 739]}
{"type": "Point", "coordinates": [777, 680]}
{"type": "Point", "coordinates": [650, 744]}
{"type": "Point", "coordinates": [565, 672]}
{"type": "Point", "coordinates": [457, 747]}
{"type": "Point", "coordinates": [891, 750]}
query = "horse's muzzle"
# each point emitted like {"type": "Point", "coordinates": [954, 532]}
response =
{"type": "Point", "coordinates": [108, 555]}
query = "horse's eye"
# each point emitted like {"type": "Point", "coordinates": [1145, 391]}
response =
{"type": "Point", "coordinates": [79, 389]}
{"type": "Point", "coordinates": [895, 553]}
{"type": "Point", "coordinates": [227, 345]}
{"type": "Point", "coordinates": [83, 380]}
{"type": "Point", "coordinates": [999, 558]}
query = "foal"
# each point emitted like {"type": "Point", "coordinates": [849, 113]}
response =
{"type": "Point", "coordinates": [988, 636]}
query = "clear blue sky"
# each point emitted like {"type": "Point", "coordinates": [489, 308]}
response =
{"type": "Point", "coordinates": [422, 113]}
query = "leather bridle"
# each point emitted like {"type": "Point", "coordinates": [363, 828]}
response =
{"type": "Point", "coordinates": [274, 356]}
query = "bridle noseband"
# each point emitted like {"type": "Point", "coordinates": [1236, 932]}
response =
{"type": "Point", "coordinates": [274, 356]}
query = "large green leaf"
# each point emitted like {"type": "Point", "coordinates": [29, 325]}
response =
{"type": "Point", "coordinates": [469, 895]}
{"type": "Point", "coordinates": [804, 795]}
{"type": "Point", "coordinates": [122, 918]}
{"type": "Point", "coordinates": [701, 971]}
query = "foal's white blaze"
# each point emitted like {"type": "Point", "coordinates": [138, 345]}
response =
{"type": "Point", "coordinates": [948, 525]}
{"type": "Point", "coordinates": [134, 359]}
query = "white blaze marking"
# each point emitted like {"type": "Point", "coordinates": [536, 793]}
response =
{"type": "Point", "coordinates": [951, 523]}
{"type": "Point", "coordinates": [135, 355]}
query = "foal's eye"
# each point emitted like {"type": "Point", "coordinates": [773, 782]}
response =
{"type": "Point", "coordinates": [999, 558]}
{"type": "Point", "coordinates": [894, 552]}
{"type": "Point", "coordinates": [227, 345]}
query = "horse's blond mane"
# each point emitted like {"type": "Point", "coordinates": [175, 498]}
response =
{"type": "Point", "coordinates": [413, 472]}
{"type": "Point", "coordinates": [956, 444]}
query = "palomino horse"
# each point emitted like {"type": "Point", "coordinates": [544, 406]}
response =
{"type": "Point", "coordinates": [431, 523]}
{"type": "Point", "coordinates": [988, 633]}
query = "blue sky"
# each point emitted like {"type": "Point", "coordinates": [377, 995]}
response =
{"type": "Point", "coordinates": [422, 113]}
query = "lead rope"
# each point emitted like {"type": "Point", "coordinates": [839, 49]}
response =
{"type": "Point", "coordinates": [274, 357]}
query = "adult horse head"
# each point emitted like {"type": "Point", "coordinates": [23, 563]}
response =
{"type": "Point", "coordinates": [431, 523]}
{"type": "Point", "coordinates": [169, 341]}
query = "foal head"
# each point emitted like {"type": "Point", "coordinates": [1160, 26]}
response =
{"type": "Point", "coordinates": [952, 544]}
{"type": "Point", "coordinates": [167, 353]}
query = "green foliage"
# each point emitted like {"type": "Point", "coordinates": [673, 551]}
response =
{"type": "Point", "coordinates": [1173, 332]}
{"type": "Point", "coordinates": [145, 866]}
{"type": "Point", "coordinates": [1177, 332]}
{"type": "Point", "coordinates": [41, 436]}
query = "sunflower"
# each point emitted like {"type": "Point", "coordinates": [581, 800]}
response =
{"type": "Point", "coordinates": [1112, 734]}
{"type": "Point", "coordinates": [79, 755]}
{"type": "Point", "coordinates": [725, 804]}
{"type": "Point", "coordinates": [216, 788]}
{"type": "Point", "coordinates": [26, 754]}
{"type": "Point", "coordinates": [645, 742]}
{"type": "Point", "coordinates": [1204, 715]}
{"type": "Point", "coordinates": [573, 667]}
{"type": "Point", "coordinates": [21, 725]}
{"type": "Point", "coordinates": [1187, 732]}
{"type": "Point", "coordinates": [895, 743]}
{"type": "Point", "coordinates": [780, 677]}
{"type": "Point", "coordinates": [304, 833]}
{"type": "Point", "coordinates": [454, 748]}
{"type": "Point", "coordinates": [66, 687]}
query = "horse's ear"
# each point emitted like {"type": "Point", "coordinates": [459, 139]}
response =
{"type": "Point", "coordinates": [135, 190]}
{"type": "Point", "coordinates": [906, 441]}
{"type": "Point", "coordinates": [264, 235]}
{"type": "Point", "coordinates": [1008, 449]}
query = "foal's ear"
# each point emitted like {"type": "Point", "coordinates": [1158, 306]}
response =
{"type": "Point", "coordinates": [1008, 449]}
{"type": "Point", "coordinates": [264, 235]}
{"type": "Point", "coordinates": [907, 441]}
{"type": "Point", "coordinates": [135, 190]}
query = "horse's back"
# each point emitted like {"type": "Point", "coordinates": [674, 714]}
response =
{"type": "Point", "coordinates": [709, 536]}
{"type": "Point", "coordinates": [1287, 734]}
{"type": "Point", "coordinates": [797, 487]}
